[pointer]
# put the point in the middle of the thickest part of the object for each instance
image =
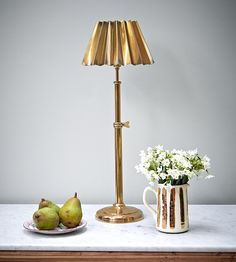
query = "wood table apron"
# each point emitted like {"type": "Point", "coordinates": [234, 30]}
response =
{"type": "Point", "coordinates": [14, 256]}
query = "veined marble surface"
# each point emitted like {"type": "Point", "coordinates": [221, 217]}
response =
{"type": "Point", "coordinates": [212, 229]}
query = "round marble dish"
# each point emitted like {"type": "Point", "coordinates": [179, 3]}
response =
{"type": "Point", "coordinates": [29, 225]}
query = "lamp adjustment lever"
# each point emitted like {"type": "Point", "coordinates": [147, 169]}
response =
{"type": "Point", "coordinates": [120, 124]}
{"type": "Point", "coordinates": [126, 124]}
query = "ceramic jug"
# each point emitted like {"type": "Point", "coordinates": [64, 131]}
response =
{"type": "Point", "coordinates": [171, 214]}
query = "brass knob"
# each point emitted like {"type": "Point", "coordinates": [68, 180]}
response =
{"type": "Point", "coordinates": [126, 124]}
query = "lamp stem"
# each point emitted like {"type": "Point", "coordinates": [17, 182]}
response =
{"type": "Point", "coordinates": [119, 212]}
{"type": "Point", "coordinates": [118, 139]}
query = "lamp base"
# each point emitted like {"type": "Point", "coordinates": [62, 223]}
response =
{"type": "Point", "coordinates": [119, 213]}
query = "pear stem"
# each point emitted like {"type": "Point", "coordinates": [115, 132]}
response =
{"type": "Point", "coordinates": [75, 195]}
{"type": "Point", "coordinates": [42, 199]}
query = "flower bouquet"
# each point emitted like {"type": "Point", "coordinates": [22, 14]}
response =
{"type": "Point", "coordinates": [174, 167]}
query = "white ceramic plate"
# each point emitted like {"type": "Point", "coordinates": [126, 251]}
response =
{"type": "Point", "coordinates": [29, 225]}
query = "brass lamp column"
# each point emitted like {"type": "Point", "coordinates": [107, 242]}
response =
{"type": "Point", "coordinates": [118, 43]}
{"type": "Point", "coordinates": [118, 140]}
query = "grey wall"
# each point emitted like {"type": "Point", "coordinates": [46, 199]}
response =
{"type": "Point", "coordinates": [56, 116]}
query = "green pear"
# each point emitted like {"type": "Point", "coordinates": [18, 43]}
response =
{"type": "Point", "coordinates": [47, 203]}
{"type": "Point", "coordinates": [46, 218]}
{"type": "Point", "coordinates": [71, 213]}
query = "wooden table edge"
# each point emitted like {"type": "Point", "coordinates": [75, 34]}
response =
{"type": "Point", "coordinates": [64, 256]}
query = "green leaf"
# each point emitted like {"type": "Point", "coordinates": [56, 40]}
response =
{"type": "Point", "coordinates": [184, 179]}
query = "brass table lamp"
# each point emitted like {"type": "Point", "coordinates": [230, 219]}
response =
{"type": "Point", "coordinates": [118, 43]}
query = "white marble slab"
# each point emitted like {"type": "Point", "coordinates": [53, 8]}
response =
{"type": "Point", "coordinates": [212, 229]}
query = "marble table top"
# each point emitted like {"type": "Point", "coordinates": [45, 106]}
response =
{"type": "Point", "coordinates": [212, 229]}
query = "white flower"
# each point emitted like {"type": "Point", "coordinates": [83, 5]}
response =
{"type": "Point", "coordinates": [192, 152]}
{"type": "Point", "coordinates": [206, 162]}
{"type": "Point", "coordinates": [174, 173]}
{"type": "Point", "coordinates": [152, 172]}
{"type": "Point", "coordinates": [137, 168]}
{"type": "Point", "coordinates": [144, 170]}
{"type": "Point", "coordinates": [146, 165]}
{"type": "Point", "coordinates": [159, 147]}
{"type": "Point", "coordinates": [206, 158]}
{"type": "Point", "coordinates": [179, 152]}
{"type": "Point", "coordinates": [209, 176]}
{"type": "Point", "coordinates": [156, 176]}
{"type": "Point", "coordinates": [174, 151]}
{"type": "Point", "coordinates": [142, 153]}
{"type": "Point", "coordinates": [165, 162]}
{"type": "Point", "coordinates": [189, 173]}
{"type": "Point", "coordinates": [177, 158]}
{"type": "Point", "coordinates": [182, 161]}
{"type": "Point", "coordinates": [162, 175]}
{"type": "Point", "coordinates": [162, 155]}
{"type": "Point", "coordinates": [186, 164]}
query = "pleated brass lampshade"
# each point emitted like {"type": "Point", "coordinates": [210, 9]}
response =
{"type": "Point", "coordinates": [117, 43]}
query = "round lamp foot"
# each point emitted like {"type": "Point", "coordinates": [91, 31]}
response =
{"type": "Point", "coordinates": [119, 214]}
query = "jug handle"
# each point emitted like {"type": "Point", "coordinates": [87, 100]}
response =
{"type": "Point", "coordinates": [148, 206]}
